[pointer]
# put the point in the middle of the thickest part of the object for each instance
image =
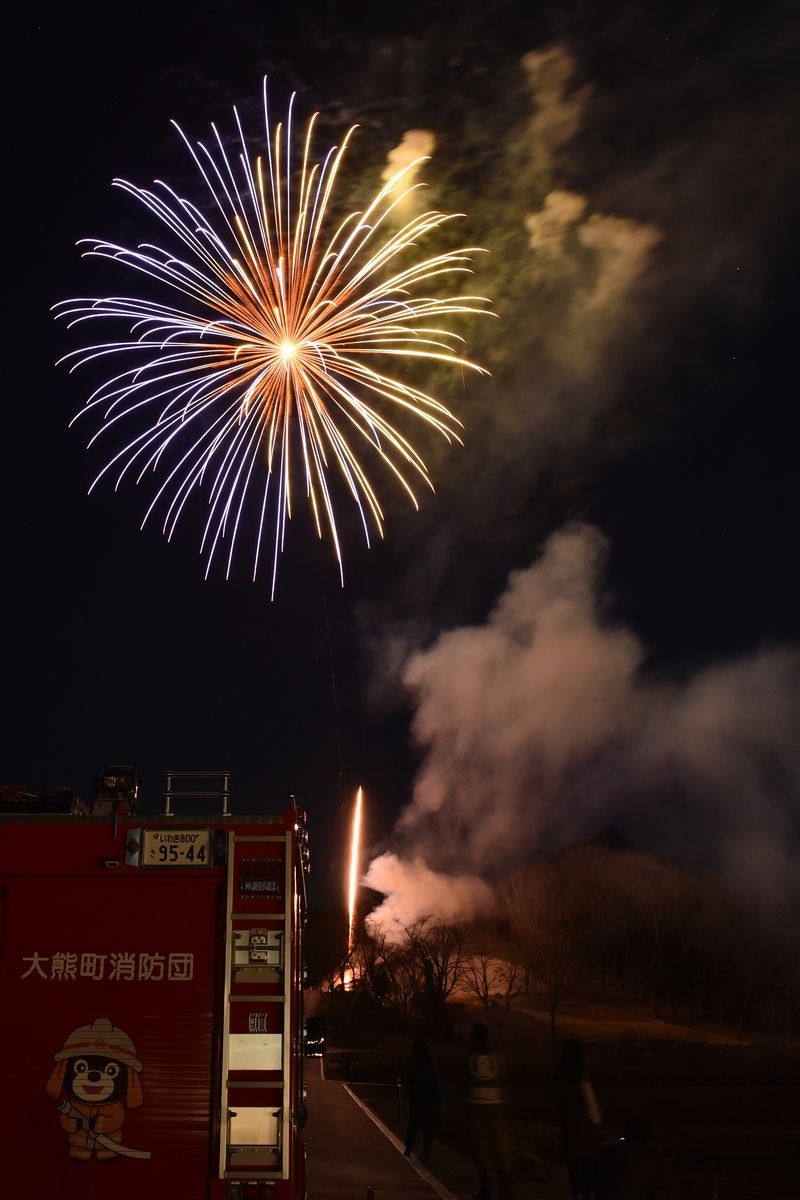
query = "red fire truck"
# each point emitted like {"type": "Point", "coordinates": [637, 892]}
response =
{"type": "Point", "coordinates": [151, 976]}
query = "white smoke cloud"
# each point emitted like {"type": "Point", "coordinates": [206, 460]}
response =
{"type": "Point", "coordinates": [416, 145]}
{"type": "Point", "coordinates": [597, 260]}
{"type": "Point", "coordinates": [559, 107]}
{"type": "Point", "coordinates": [413, 891]}
{"type": "Point", "coordinates": [577, 277]}
{"type": "Point", "coordinates": [551, 225]}
{"type": "Point", "coordinates": [543, 724]}
{"type": "Point", "coordinates": [622, 248]}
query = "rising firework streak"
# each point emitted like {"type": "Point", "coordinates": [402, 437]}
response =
{"type": "Point", "coordinates": [355, 842]}
{"type": "Point", "coordinates": [278, 370]}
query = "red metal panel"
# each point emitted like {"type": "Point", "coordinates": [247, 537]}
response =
{"type": "Point", "coordinates": [116, 966]}
{"type": "Point", "coordinates": [44, 847]}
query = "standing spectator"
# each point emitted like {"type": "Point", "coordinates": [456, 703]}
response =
{"type": "Point", "coordinates": [578, 1115]}
{"type": "Point", "coordinates": [486, 1122]}
{"type": "Point", "coordinates": [421, 1079]}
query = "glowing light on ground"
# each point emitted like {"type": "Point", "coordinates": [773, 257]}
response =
{"type": "Point", "coordinates": [278, 368]}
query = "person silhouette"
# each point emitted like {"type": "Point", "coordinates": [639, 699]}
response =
{"type": "Point", "coordinates": [486, 1116]}
{"type": "Point", "coordinates": [578, 1116]}
{"type": "Point", "coordinates": [421, 1079]}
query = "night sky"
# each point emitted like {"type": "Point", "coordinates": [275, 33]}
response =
{"type": "Point", "coordinates": [632, 181]}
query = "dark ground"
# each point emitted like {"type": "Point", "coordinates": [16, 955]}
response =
{"type": "Point", "coordinates": [724, 1112]}
{"type": "Point", "coordinates": [347, 1153]}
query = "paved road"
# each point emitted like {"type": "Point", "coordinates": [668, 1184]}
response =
{"type": "Point", "coordinates": [348, 1153]}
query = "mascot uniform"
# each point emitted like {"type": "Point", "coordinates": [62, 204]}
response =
{"type": "Point", "coordinates": [95, 1078]}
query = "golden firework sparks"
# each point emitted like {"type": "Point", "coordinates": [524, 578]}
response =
{"type": "Point", "coordinates": [284, 348]}
{"type": "Point", "coordinates": [355, 841]}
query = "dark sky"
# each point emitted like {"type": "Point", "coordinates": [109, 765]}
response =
{"type": "Point", "coordinates": [665, 417]}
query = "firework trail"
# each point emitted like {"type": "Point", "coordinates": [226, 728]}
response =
{"type": "Point", "coordinates": [279, 364]}
{"type": "Point", "coordinates": [355, 841]}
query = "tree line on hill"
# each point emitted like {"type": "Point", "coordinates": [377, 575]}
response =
{"type": "Point", "coordinates": [593, 923]}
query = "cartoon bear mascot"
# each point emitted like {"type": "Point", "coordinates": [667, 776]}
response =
{"type": "Point", "coordinates": [95, 1078]}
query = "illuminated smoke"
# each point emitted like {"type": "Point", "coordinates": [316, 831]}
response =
{"type": "Point", "coordinates": [543, 724]}
{"type": "Point", "coordinates": [415, 146]}
{"type": "Point", "coordinates": [548, 721]}
{"type": "Point", "coordinates": [414, 891]}
{"type": "Point", "coordinates": [559, 106]}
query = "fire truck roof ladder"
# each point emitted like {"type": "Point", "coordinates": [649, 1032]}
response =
{"type": "Point", "coordinates": [220, 789]}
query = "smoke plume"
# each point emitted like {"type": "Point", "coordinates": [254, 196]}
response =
{"type": "Point", "coordinates": [544, 724]}
{"type": "Point", "coordinates": [416, 144]}
{"type": "Point", "coordinates": [414, 891]}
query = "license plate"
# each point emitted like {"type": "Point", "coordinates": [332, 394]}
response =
{"type": "Point", "coordinates": [176, 848]}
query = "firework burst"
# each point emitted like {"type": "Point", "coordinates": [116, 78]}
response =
{"type": "Point", "coordinates": [278, 370]}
